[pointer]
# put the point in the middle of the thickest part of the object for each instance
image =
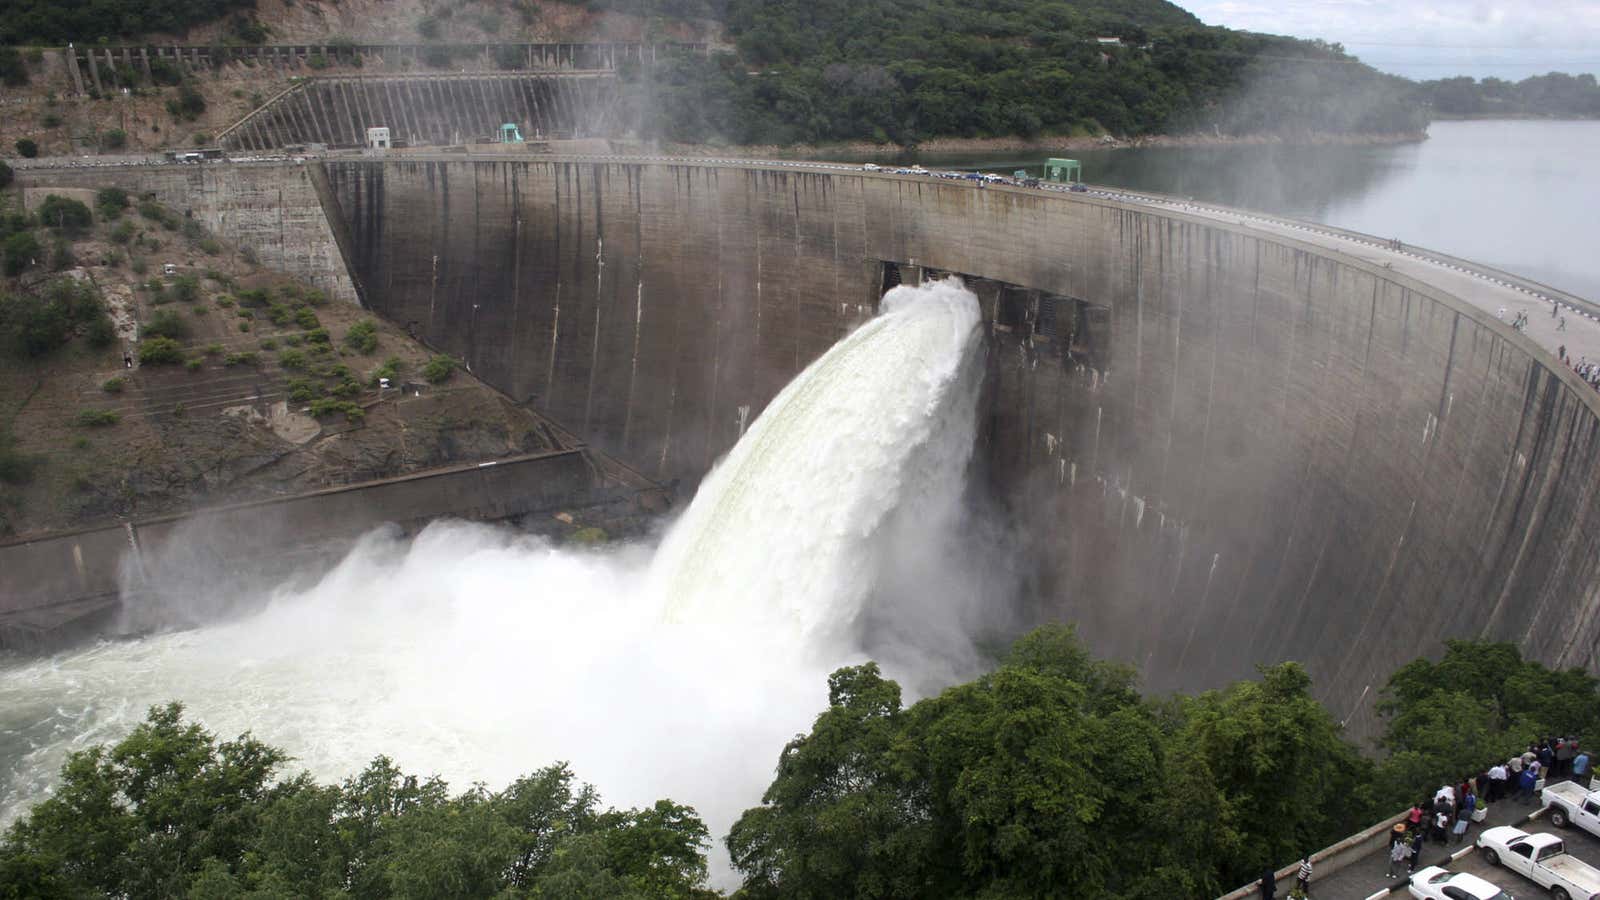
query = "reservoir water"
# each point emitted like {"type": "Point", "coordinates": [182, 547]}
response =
{"type": "Point", "coordinates": [1523, 196]}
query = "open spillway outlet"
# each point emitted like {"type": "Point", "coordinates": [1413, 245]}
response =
{"type": "Point", "coordinates": [1076, 331]}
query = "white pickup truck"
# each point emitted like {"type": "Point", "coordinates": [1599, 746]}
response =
{"type": "Point", "coordinates": [1567, 803]}
{"type": "Point", "coordinates": [1542, 859]}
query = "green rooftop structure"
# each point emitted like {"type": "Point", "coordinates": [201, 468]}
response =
{"type": "Point", "coordinates": [1065, 171]}
{"type": "Point", "coordinates": [510, 134]}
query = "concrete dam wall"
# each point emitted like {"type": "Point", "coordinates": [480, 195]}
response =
{"type": "Point", "coordinates": [1218, 446]}
{"type": "Point", "coordinates": [429, 109]}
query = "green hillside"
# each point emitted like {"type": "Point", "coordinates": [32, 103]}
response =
{"type": "Point", "coordinates": [908, 70]}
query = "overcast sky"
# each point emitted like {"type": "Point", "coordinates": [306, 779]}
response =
{"type": "Point", "coordinates": [1427, 39]}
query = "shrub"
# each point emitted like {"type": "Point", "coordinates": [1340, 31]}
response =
{"type": "Point", "coordinates": [390, 369]}
{"type": "Point", "coordinates": [346, 388]}
{"type": "Point", "coordinates": [306, 319]}
{"type": "Point", "coordinates": [186, 288]}
{"type": "Point", "coordinates": [21, 251]}
{"type": "Point", "coordinates": [304, 390]}
{"type": "Point", "coordinates": [5, 174]}
{"type": "Point", "coordinates": [224, 302]}
{"type": "Point", "coordinates": [318, 336]}
{"type": "Point", "coordinates": [123, 233]}
{"type": "Point", "coordinates": [160, 351]}
{"type": "Point", "coordinates": [64, 213]}
{"type": "Point", "coordinates": [244, 326]}
{"type": "Point", "coordinates": [16, 467]}
{"type": "Point", "coordinates": [269, 344]}
{"type": "Point", "coordinates": [439, 369]}
{"type": "Point", "coordinates": [213, 350]}
{"type": "Point", "coordinates": [293, 340]}
{"type": "Point", "coordinates": [115, 139]}
{"type": "Point", "coordinates": [111, 202]}
{"type": "Point", "coordinates": [101, 333]}
{"type": "Point", "coordinates": [253, 297]}
{"type": "Point", "coordinates": [26, 148]}
{"type": "Point", "coordinates": [328, 406]}
{"type": "Point", "coordinates": [362, 336]}
{"type": "Point", "coordinates": [168, 324]}
{"type": "Point", "coordinates": [114, 385]}
{"type": "Point", "coordinates": [157, 213]}
{"type": "Point", "coordinates": [50, 120]}
{"type": "Point", "coordinates": [96, 418]}
{"type": "Point", "coordinates": [314, 297]}
{"type": "Point", "coordinates": [61, 256]}
{"type": "Point", "coordinates": [210, 246]}
{"type": "Point", "coordinates": [188, 105]}
{"type": "Point", "coordinates": [317, 61]}
{"type": "Point", "coordinates": [139, 266]}
{"type": "Point", "coordinates": [280, 314]}
{"type": "Point", "coordinates": [246, 358]}
{"type": "Point", "coordinates": [293, 360]}
{"type": "Point", "coordinates": [194, 364]}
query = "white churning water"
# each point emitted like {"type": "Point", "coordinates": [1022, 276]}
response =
{"type": "Point", "coordinates": [480, 654]}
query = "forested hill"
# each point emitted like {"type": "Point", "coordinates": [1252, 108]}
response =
{"type": "Point", "coordinates": [902, 71]}
{"type": "Point", "coordinates": [908, 70]}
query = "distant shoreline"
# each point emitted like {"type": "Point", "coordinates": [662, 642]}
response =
{"type": "Point", "coordinates": [1045, 146]}
{"type": "Point", "coordinates": [1512, 117]}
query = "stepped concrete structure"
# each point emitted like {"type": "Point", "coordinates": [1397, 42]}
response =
{"type": "Point", "coordinates": [1220, 440]}
{"type": "Point", "coordinates": [429, 109]}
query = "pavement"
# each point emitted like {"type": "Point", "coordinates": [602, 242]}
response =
{"type": "Point", "coordinates": [1368, 877]}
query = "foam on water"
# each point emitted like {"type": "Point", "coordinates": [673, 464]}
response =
{"type": "Point", "coordinates": [480, 654]}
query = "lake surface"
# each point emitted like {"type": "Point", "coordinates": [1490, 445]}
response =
{"type": "Point", "coordinates": [1523, 196]}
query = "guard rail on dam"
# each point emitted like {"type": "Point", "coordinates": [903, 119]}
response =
{"type": "Point", "coordinates": [428, 109]}
{"type": "Point", "coordinates": [1262, 448]}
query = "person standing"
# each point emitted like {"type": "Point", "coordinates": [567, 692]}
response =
{"type": "Point", "coordinates": [1525, 784]}
{"type": "Point", "coordinates": [1464, 819]}
{"type": "Point", "coordinates": [1414, 818]}
{"type": "Point", "coordinates": [1416, 851]}
{"type": "Point", "coordinates": [1563, 756]}
{"type": "Point", "coordinates": [1580, 763]}
{"type": "Point", "coordinates": [1269, 884]}
{"type": "Point", "coordinates": [1399, 851]}
{"type": "Point", "coordinates": [1303, 879]}
{"type": "Point", "coordinates": [1497, 783]}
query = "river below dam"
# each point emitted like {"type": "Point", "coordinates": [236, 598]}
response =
{"type": "Point", "coordinates": [1517, 195]}
{"type": "Point", "coordinates": [833, 531]}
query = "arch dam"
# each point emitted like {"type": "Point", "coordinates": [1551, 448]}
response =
{"type": "Point", "coordinates": [1219, 440]}
{"type": "Point", "coordinates": [1220, 444]}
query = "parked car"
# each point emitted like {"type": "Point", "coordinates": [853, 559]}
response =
{"type": "Point", "coordinates": [1434, 883]}
{"type": "Point", "coordinates": [1542, 859]}
{"type": "Point", "coordinates": [1079, 187]}
{"type": "Point", "coordinates": [1568, 803]}
{"type": "Point", "coordinates": [871, 167]}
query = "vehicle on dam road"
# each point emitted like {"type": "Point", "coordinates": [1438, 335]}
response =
{"type": "Point", "coordinates": [1569, 803]}
{"type": "Point", "coordinates": [1543, 860]}
{"type": "Point", "coordinates": [1435, 883]}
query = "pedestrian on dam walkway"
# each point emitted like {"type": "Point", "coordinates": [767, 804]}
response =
{"type": "Point", "coordinates": [1269, 884]}
{"type": "Point", "coordinates": [1416, 851]}
{"type": "Point", "coordinates": [1497, 783]}
{"type": "Point", "coordinates": [1303, 880]}
{"type": "Point", "coordinates": [1580, 763]}
{"type": "Point", "coordinates": [1399, 852]}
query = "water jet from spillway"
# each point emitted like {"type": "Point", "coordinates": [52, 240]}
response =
{"type": "Point", "coordinates": [479, 654]}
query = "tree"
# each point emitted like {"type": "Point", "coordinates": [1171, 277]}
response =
{"type": "Point", "coordinates": [5, 175]}
{"type": "Point", "coordinates": [26, 148]}
{"type": "Point", "coordinates": [64, 213]}
{"type": "Point", "coordinates": [21, 251]}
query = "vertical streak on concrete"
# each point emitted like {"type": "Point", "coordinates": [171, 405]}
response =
{"type": "Point", "coordinates": [599, 302]}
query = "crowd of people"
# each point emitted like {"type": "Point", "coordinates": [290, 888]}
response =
{"type": "Point", "coordinates": [1448, 815]}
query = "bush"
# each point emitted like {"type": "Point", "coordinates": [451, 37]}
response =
{"type": "Point", "coordinates": [304, 390]}
{"type": "Point", "coordinates": [96, 418]}
{"type": "Point", "coordinates": [253, 297]}
{"type": "Point", "coordinates": [246, 358]}
{"type": "Point", "coordinates": [317, 61]}
{"type": "Point", "coordinates": [186, 288]}
{"type": "Point", "coordinates": [139, 266]}
{"type": "Point", "coordinates": [213, 350]}
{"type": "Point", "coordinates": [269, 344]}
{"type": "Point", "coordinates": [5, 174]}
{"type": "Point", "coordinates": [280, 314]}
{"type": "Point", "coordinates": [306, 319]}
{"type": "Point", "coordinates": [318, 336]}
{"type": "Point", "coordinates": [111, 202]}
{"type": "Point", "coordinates": [439, 369]}
{"type": "Point", "coordinates": [160, 351]}
{"type": "Point", "coordinates": [210, 246]}
{"type": "Point", "coordinates": [188, 105]}
{"type": "Point", "coordinates": [314, 297]}
{"type": "Point", "coordinates": [36, 324]}
{"type": "Point", "coordinates": [328, 406]}
{"type": "Point", "coordinates": [347, 388]}
{"type": "Point", "coordinates": [114, 385]}
{"type": "Point", "coordinates": [292, 360]}
{"type": "Point", "coordinates": [157, 213]}
{"type": "Point", "coordinates": [122, 234]}
{"type": "Point", "coordinates": [16, 467]}
{"type": "Point", "coordinates": [362, 336]}
{"type": "Point", "coordinates": [194, 364]}
{"type": "Point", "coordinates": [428, 28]}
{"type": "Point", "coordinates": [115, 139]}
{"type": "Point", "coordinates": [167, 323]}
{"type": "Point", "coordinates": [61, 256]}
{"type": "Point", "coordinates": [26, 148]}
{"type": "Point", "coordinates": [21, 251]}
{"type": "Point", "coordinates": [390, 369]}
{"type": "Point", "coordinates": [64, 213]}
